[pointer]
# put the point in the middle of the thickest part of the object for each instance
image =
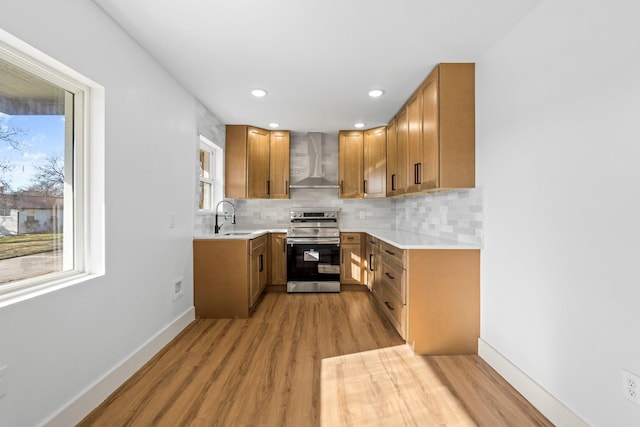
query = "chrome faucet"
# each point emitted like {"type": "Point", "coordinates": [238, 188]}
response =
{"type": "Point", "coordinates": [233, 215]}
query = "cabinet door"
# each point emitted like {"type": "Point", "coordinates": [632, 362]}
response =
{"type": "Point", "coordinates": [372, 254]}
{"type": "Point", "coordinates": [377, 262]}
{"type": "Point", "coordinates": [235, 162]}
{"type": "Point", "coordinates": [351, 262]}
{"type": "Point", "coordinates": [456, 108]}
{"type": "Point", "coordinates": [375, 162]}
{"type": "Point", "coordinates": [258, 274]}
{"type": "Point", "coordinates": [414, 144]}
{"type": "Point", "coordinates": [429, 168]}
{"type": "Point", "coordinates": [402, 133]}
{"type": "Point", "coordinates": [254, 279]}
{"type": "Point", "coordinates": [351, 165]}
{"type": "Point", "coordinates": [279, 165]}
{"type": "Point", "coordinates": [262, 269]}
{"type": "Point", "coordinates": [257, 163]}
{"type": "Point", "coordinates": [392, 159]}
{"type": "Point", "coordinates": [279, 259]}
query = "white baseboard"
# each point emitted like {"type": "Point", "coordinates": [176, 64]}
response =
{"type": "Point", "coordinates": [545, 402]}
{"type": "Point", "coordinates": [93, 396]}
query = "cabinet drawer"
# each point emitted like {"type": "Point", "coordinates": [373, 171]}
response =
{"type": "Point", "coordinates": [350, 238]}
{"type": "Point", "coordinates": [394, 309]}
{"type": "Point", "coordinates": [394, 278]}
{"type": "Point", "coordinates": [257, 243]}
{"type": "Point", "coordinates": [371, 240]}
{"type": "Point", "coordinates": [393, 254]}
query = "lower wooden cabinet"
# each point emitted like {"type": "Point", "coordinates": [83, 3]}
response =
{"type": "Point", "coordinates": [278, 254]}
{"type": "Point", "coordinates": [443, 288]}
{"type": "Point", "coordinates": [351, 265]}
{"type": "Point", "coordinates": [258, 273]}
{"type": "Point", "coordinates": [372, 264]}
{"type": "Point", "coordinates": [229, 275]}
{"type": "Point", "coordinates": [221, 279]}
{"type": "Point", "coordinates": [431, 297]}
{"type": "Point", "coordinates": [393, 292]}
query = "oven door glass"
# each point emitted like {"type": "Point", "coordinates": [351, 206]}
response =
{"type": "Point", "coordinates": [313, 262]}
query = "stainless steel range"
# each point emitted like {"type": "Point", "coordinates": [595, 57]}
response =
{"type": "Point", "coordinates": [313, 250]}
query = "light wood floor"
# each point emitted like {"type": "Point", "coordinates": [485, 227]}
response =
{"type": "Point", "coordinates": [309, 360]}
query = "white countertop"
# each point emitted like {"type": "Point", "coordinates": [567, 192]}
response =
{"type": "Point", "coordinates": [409, 240]}
{"type": "Point", "coordinates": [398, 238]}
{"type": "Point", "coordinates": [244, 233]}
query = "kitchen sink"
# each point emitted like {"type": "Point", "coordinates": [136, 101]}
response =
{"type": "Point", "coordinates": [233, 233]}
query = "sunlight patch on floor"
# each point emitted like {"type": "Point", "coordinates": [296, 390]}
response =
{"type": "Point", "coordinates": [386, 387]}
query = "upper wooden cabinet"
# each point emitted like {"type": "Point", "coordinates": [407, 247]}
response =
{"type": "Point", "coordinates": [447, 99]}
{"type": "Point", "coordinates": [428, 172]}
{"type": "Point", "coordinates": [256, 163]}
{"type": "Point", "coordinates": [392, 159]}
{"type": "Point", "coordinates": [414, 143]}
{"type": "Point", "coordinates": [402, 135]}
{"type": "Point", "coordinates": [350, 171]}
{"type": "Point", "coordinates": [279, 165]}
{"type": "Point", "coordinates": [375, 162]}
{"type": "Point", "coordinates": [435, 134]}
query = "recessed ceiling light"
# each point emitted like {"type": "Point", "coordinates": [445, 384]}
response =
{"type": "Point", "coordinates": [359, 125]}
{"type": "Point", "coordinates": [376, 93]}
{"type": "Point", "coordinates": [274, 125]}
{"type": "Point", "coordinates": [258, 93]}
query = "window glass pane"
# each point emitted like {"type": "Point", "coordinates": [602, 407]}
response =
{"type": "Point", "coordinates": [205, 195]}
{"type": "Point", "coordinates": [205, 164]}
{"type": "Point", "coordinates": [36, 125]}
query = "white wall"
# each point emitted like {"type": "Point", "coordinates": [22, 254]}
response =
{"type": "Point", "coordinates": [59, 344]}
{"type": "Point", "coordinates": [558, 108]}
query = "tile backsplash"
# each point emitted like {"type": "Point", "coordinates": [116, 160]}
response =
{"type": "Point", "coordinates": [456, 215]}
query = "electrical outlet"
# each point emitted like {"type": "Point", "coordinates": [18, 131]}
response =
{"type": "Point", "coordinates": [3, 381]}
{"type": "Point", "coordinates": [362, 214]}
{"type": "Point", "coordinates": [631, 386]}
{"type": "Point", "coordinates": [178, 288]}
{"type": "Point", "coordinates": [172, 220]}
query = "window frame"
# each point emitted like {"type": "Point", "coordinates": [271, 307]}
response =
{"type": "Point", "coordinates": [85, 241]}
{"type": "Point", "coordinates": [216, 175]}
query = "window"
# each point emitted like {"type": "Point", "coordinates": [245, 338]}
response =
{"type": "Point", "coordinates": [210, 180]}
{"type": "Point", "coordinates": [44, 110]}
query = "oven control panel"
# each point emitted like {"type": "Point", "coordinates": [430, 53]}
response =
{"type": "Point", "coordinates": [314, 214]}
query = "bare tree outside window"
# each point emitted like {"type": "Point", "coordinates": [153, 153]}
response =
{"type": "Point", "coordinates": [48, 178]}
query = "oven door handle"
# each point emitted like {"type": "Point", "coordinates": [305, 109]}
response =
{"type": "Point", "coordinates": [312, 241]}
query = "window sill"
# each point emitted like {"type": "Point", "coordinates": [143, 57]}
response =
{"type": "Point", "coordinates": [32, 289]}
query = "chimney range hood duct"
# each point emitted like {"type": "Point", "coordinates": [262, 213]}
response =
{"type": "Point", "coordinates": [315, 178]}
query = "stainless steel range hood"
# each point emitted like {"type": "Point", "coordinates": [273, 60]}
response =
{"type": "Point", "coordinates": [315, 178]}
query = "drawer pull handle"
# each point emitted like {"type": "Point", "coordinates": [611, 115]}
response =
{"type": "Point", "coordinates": [390, 253]}
{"type": "Point", "coordinates": [389, 306]}
{"type": "Point", "coordinates": [390, 276]}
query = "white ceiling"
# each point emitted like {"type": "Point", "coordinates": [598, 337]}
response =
{"type": "Point", "coordinates": [317, 58]}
